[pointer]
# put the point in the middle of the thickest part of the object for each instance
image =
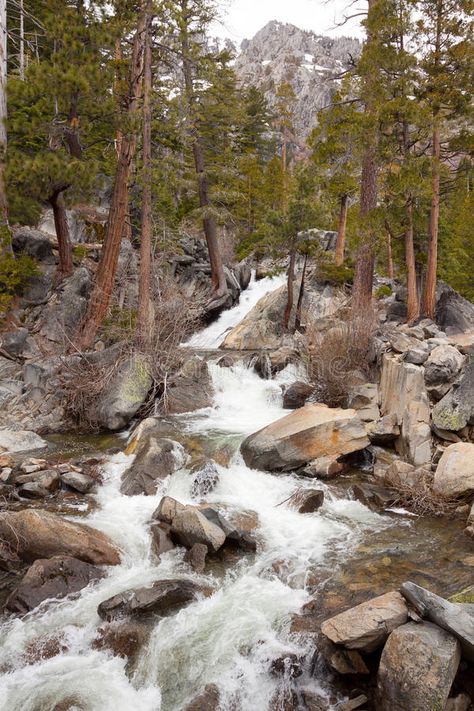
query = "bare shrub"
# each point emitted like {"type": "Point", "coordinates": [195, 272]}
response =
{"type": "Point", "coordinates": [338, 357]}
{"type": "Point", "coordinates": [423, 501]}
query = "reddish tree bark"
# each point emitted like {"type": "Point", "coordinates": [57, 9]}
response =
{"type": "Point", "coordinates": [365, 259]}
{"type": "Point", "coordinates": [390, 268]}
{"type": "Point", "coordinates": [341, 230]}
{"type": "Point", "coordinates": [299, 305]}
{"type": "Point", "coordinates": [429, 293]}
{"type": "Point", "coordinates": [413, 302]}
{"type": "Point", "coordinates": [290, 284]}
{"type": "Point", "coordinates": [65, 266]}
{"type": "Point", "coordinates": [106, 271]}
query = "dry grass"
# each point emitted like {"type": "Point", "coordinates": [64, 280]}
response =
{"type": "Point", "coordinates": [423, 501]}
{"type": "Point", "coordinates": [339, 356]}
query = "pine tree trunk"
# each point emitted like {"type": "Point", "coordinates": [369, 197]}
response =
{"type": "Point", "coordinates": [365, 259]}
{"type": "Point", "coordinates": [145, 313]}
{"type": "Point", "coordinates": [413, 302]}
{"type": "Point", "coordinates": [429, 294]}
{"type": "Point", "coordinates": [390, 268]}
{"type": "Point", "coordinates": [341, 230]}
{"type": "Point", "coordinates": [219, 282]}
{"type": "Point", "coordinates": [290, 283]}
{"type": "Point", "coordinates": [5, 234]}
{"type": "Point", "coordinates": [106, 271]}
{"type": "Point", "coordinates": [65, 266]}
{"type": "Point", "coordinates": [299, 305]}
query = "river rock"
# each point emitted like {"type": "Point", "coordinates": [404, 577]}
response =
{"type": "Point", "coordinates": [162, 597]}
{"type": "Point", "coordinates": [403, 394]}
{"type": "Point", "coordinates": [306, 434]}
{"type": "Point", "coordinates": [239, 525]}
{"type": "Point", "coordinates": [51, 578]}
{"type": "Point", "coordinates": [324, 467]}
{"type": "Point", "coordinates": [78, 481]}
{"type": "Point", "coordinates": [443, 365]}
{"type": "Point", "coordinates": [167, 509]}
{"type": "Point", "coordinates": [160, 538]}
{"type": "Point", "coordinates": [123, 395]}
{"type": "Point", "coordinates": [191, 526]}
{"type": "Point", "coordinates": [37, 534]}
{"type": "Point", "coordinates": [196, 557]}
{"type": "Point", "coordinates": [205, 480]}
{"type": "Point", "coordinates": [456, 409]}
{"type": "Point", "coordinates": [417, 668]}
{"type": "Point", "coordinates": [454, 475]}
{"type": "Point", "coordinates": [376, 498]}
{"type": "Point", "coordinates": [124, 638]}
{"type": "Point", "coordinates": [20, 441]}
{"type": "Point", "coordinates": [259, 329]}
{"type": "Point", "coordinates": [385, 431]}
{"type": "Point", "coordinates": [367, 626]}
{"type": "Point", "coordinates": [296, 394]}
{"type": "Point", "coordinates": [208, 700]}
{"type": "Point", "coordinates": [155, 459]}
{"type": "Point", "coordinates": [306, 500]}
{"type": "Point", "coordinates": [456, 618]}
{"type": "Point", "coordinates": [191, 389]}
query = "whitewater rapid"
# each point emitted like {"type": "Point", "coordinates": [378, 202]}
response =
{"type": "Point", "coordinates": [213, 336]}
{"type": "Point", "coordinates": [228, 639]}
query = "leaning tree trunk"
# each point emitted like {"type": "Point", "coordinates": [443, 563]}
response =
{"type": "Point", "coordinates": [413, 302]}
{"type": "Point", "coordinates": [145, 313]}
{"type": "Point", "coordinates": [65, 266]}
{"type": "Point", "coordinates": [219, 282]}
{"type": "Point", "coordinates": [290, 284]}
{"type": "Point", "coordinates": [341, 231]}
{"type": "Point", "coordinates": [429, 294]}
{"type": "Point", "coordinates": [105, 277]}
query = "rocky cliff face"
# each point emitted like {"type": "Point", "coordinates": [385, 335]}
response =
{"type": "Point", "coordinates": [311, 63]}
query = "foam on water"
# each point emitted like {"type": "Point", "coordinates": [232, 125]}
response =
{"type": "Point", "coordinates": [213, 335]}
{"type": "Point", "coordinates": [229, 638]}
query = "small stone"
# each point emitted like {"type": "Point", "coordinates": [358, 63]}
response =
{"type": "Point", "coordinates": [306, 500]}
{"type": "Point", "coordinates": [78, 482]}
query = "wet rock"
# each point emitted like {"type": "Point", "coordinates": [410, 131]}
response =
{"type": "Point", "coordinates": [367, 626]}
{"type": "Point", "coordinates": [38, 484]}
{"type": "Point", "coordinates": [124, 639]}
{"type": "Point", "coordinates": [123, 395]}
{"type": "Point", "coordinates": [160, 538]}
{"type": "Point", "coordinates": [205, 480]}
{"type": "Point", "coordinates": [168, 508]}
{"type": "Point", "coordinates": [403, 394]}
{"type": "Point", "coordinates": [458, 619]}
{"type": "Point", "coordinates": [191, 526]}
{"type": "Point", "coordinates": [155, 460]}
{"type": "Point", "coordinates": [306, 500]}
{"type": "Point", "coordinates": [20, 441]}
{"type": "Point", "coordinates": [346, 661]}
{"type": "Point", "coordinates": [385, 431]}
{"type": "Point", "coordinates": [324, 467]}
{"type": "Point", "coordinates": [51, 578]}
{"type": "Point", "coordinates": [289, 666]}
{"type": "Point", "coordinates": [351, 704]}
{"type": "Point", "coordinates": [161, 598]}
{"type": "Point", "coordinates": [208, 700]}
{"type": "Point", "coordinates": [374, 497]}
{"type": "Point", "coordinates": [456, 409]}
{"type": "Point", "coordinates": [37, 534]}
{"type": "Point", "coordinates": [306, 434]}
{"type": "Point", "coordinates": [78, 481]}
{"type": "Point", "coordinates": [417, 668]}
{"type": "Point", "coordinates": [443, 365]}
{"type": "Point", "coordinates": [454, 475]}
{"type": "Point", "coordinates": [191, 389]}
{"type": "Point", "coordinates": [239, 526]}
{"type": "Point", "coordinates": [296, 394]}
{"type": "Point", "coordinates": [196, 557]}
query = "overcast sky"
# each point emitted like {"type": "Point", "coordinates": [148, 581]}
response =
{"type": "Point", "coordinates": [243, 18]}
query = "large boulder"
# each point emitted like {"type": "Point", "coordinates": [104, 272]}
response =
{"type": "Point", "coordinates": [162, 597]}
{"type": "Point", "coordinates": [296, 394]}
{"type": "Point", "coordinates": [34, 534]}
{"type": "Point", "coordinates": [443, 365]}
{"type": "Point", "coordinates": [456, 618]}
{"type": "Point", "coordinates": [20, 441]}
{"type": "Point", "coordinates": [14, 342]}
{"type": "Point", "coordinates": [191, 389]}
{"type": "Point", "coordinates": [51, 578]}
{"type": "Point", "coordinates": [191, 526]}
{"type": "Point", "coordinates": [156, 458]}
{"type": "Point", "coordinates": [306, 434]}
{"type": "Point", "coordinates": [66, 307]}
{"type": "Point", "coordinates": [453, 313]}
{"type": "Point", "coordinates": [306, 500]}
{"type": "Point", "coordinates": [454, 475]}
{"type": "Point", "coordinates": [417, 668]}
{"type": "Point", "coordinates": [123, 395]}
{"type": "Point", "coordinates": [367, 626]}
{"type": "Point", "coordinates": [34, 243]}
{"type": "Point", "coordinates": [456, 409]}
{"type": "Point", "coordinates": [403, 394]}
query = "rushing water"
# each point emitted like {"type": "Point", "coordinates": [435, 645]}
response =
{"type": "Point", "coordinates": [213, 335]}
{"type": "Point", "coordinates": [230, 638]}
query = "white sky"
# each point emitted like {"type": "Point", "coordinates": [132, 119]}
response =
{"type": "Point", "coordinates": [243, 18]}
